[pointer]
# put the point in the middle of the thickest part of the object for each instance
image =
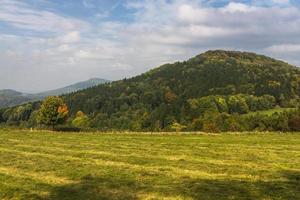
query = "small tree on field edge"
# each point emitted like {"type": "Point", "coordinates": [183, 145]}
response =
{"type": "Point", "coordinates": [53, 111]}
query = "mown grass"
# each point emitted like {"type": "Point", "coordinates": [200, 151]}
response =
{"type": "Point", "coordinates": [46, 165]}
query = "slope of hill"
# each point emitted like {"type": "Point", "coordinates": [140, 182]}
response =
{"type": "Point", "coordinates": [165, 95]}
{"type": "Point", "coordinates": [12, 98]}
{"type": "Point", "coordinates": [212, 73]}
{"type": "Point", "coordinates": [203, 93]}
{"type": "Point", "coordinates": [8, 92]}
{"type": "Point", "coordinates": [74, 87]}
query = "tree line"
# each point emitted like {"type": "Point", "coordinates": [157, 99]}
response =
{"type": "Point", "coordinates": [209, 114]}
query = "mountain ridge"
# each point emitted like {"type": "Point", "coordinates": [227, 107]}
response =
{"type": "Point", "coordinates": [10, 97]}
{"type": "Point", "coordinates": [73, 87]}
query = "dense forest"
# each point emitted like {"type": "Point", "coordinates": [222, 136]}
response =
{"type": "Point", "coordinates": [214, 91]}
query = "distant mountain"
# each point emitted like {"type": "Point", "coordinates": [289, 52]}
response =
{"type": "Point", "coordinates": [10, 98]}
{"type": "Point", "coordinates": [73, 88]}
{"type": "Point", "coordinates": [9, 93]}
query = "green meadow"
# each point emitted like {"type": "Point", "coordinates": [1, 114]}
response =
{"type": "Point", "coordinates": [83, 166]}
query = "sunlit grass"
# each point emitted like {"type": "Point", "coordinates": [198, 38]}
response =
{"type": "Point", "coordinates": [46, 165]}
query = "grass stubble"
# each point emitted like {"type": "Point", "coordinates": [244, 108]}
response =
{"type": "Point", "coordinates": [46, 165]}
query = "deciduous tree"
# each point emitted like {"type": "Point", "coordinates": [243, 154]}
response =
{"type": "Point", "coordinates": [53, 111]}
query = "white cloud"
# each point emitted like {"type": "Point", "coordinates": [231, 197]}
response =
{"type": "Point", "coordinates": [162, 31]}
{"type": "Point", "coordinates": [70, 37]}
{"type": "Point", "coordinates": [20, 15]}
{"type": "Point", "coordinates": [187, 13]}
{"type": "Point", "coordinates": [281, 2]}
{"type": "Point", "coordinates": [284, 48]}
{"type": "Point", "coordinates": [233, 7]}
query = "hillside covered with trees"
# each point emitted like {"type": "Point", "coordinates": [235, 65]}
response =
{"type": "Point", "coordinates": [210, 92]}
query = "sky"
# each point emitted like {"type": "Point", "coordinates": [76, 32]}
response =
{"type": "Point", "coordinates": [47, 44]}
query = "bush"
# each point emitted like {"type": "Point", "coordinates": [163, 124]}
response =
{"type": "Point", "coordinates": [81, 120]}
{"type": "Point", "coordinates": [66, 128]}
{"type": "Point", "coordinates": [211, 122]}
{"type": "Point", "coordinates": [280, 121]}
{"type": "Point", "coordinates": [210, 127]}
{"type": "Point", "coordinates": [294, 123]}
{"type": "Point", "coordinates": [197, 124]}
{"type": "Point", "coordinates": [232, 124]}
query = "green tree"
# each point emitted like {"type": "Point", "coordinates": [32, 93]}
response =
{"type": "Point", "coordinates": [237, 104]}
{"type": "Point", "coordinates": [211, 121]}
{"type": "Point", "coordinates": [221, 104]}
{"type": "Point", "coordinates": [199, 106]}
{"type": "Point", "coordinates": [53, 111]}
{"type": "Point", "coordinates": [81, 120]}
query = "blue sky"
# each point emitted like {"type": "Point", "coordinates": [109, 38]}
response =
{"type": "Point", "coordinates": [45, 44]}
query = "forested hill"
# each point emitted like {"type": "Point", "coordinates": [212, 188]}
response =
{"type": "Point", "coordinates": [211, 73]}
{"type": "Point", "coordinates": [208, 92]}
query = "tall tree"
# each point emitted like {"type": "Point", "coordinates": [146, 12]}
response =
{"type": "Point", "coordinates": [53, 111]}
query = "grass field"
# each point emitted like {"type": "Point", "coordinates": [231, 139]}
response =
{"type": "Point", "coordinates": [45, 165]}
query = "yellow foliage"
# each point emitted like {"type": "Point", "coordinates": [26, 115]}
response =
{"type": "Point", "coordinates": [80, 114]}
{"type": "Point", "coordinates": [274, 84]}
{"type": "Point", "coordinates": [63, 110]}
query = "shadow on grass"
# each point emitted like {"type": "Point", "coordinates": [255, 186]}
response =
{"type": "Point", "coordinates": [92, 188]}
{"type": "Point", "coordinates": [286, 189]}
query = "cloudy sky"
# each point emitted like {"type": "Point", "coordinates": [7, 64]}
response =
{"type": "Point", "coordinates": [45, 44]}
